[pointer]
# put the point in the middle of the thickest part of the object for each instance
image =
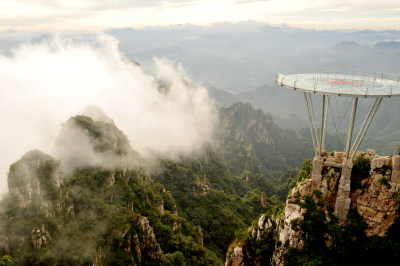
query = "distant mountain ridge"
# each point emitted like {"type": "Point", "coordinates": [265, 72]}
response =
{"type": "Point", "coordinates": [387, 45]}
{"type": "Point", "coordinates": [287, 108]}
{"type": "Point", "coordinates": [348, 45]}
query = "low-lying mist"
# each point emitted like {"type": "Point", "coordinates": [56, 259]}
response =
{"type": "Point", "coordinates": [44, 84]}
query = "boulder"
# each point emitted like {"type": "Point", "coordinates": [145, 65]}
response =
{"type": "Point", "coordinates": [395, 169]}
{"type": "Point", "coordinates": [338, 157]}
{"type": "Point", "coordinates": [380, 161]}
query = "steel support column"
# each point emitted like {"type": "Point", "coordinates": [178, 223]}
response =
{"type": "Point", "coordinates": [310, 124]}
{"type": "Point", "coordinates": [314, 123]}
{"type": "Point", "coordinates": [325, 120]}
{"type": "Point", "coordinates": [365, 126]}
{"type": "Point", "coordinates": [322, 125]}
{"type": "Point", "coordinates": [351, 126]}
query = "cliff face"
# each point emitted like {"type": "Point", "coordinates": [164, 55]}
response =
{"type": "Point", "coordinates": [35, 181]}
{"type": "Point", "coordinates": [257, 248]}
{"type": "Point", "coordinates": [374, 207]}
{"type": "Point", "coordinates": [35, 178]}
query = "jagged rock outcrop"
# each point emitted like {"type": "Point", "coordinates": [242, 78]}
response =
{"type": "Point", "coordinates": [236, 258]}
{"type": "Point", "coordinates": [376, 200]}
{"type": "Point", "coordinates": [149, 239]}
{"type": "Point", "coordinates": [375, 196]}
{"type": "Point", "coordinates": [36, 179]}
{"type": "Point", "coordinates": [40, 237]}
{"type": "Point", "coordinates": [200, 238]}
{"type": "Point", "coordinates": [244, 254]}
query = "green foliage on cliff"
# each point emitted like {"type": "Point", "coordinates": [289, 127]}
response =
{"type": "Point", "coordinates": [105, 223]}
{"type": "Point", "coordinates": [5, 259]}
{"type": "Point", "coordinates": [209, 196]}
{"type": "Point", "coordinates": [105, 136]}
{"type": "Point", "coordinates": [361, 168]}
{"type": "Point", "coordinates": [303, 173]}
{"type": "Point", "coordinates": [185, 213]}
{"type": "Point", "coordinates": [326, 242]}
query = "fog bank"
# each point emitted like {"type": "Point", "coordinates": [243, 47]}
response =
{"type": "Point", "coordinates": [43, 84]}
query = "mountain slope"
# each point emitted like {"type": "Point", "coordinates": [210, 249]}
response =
{"type": "Point", "coordinates": [95, 204]}
{"type": "Point", "coordinates": [307, 230]}
{"type": "Point", "coordinates": [251, 140]}
{"type": "Point", "coordinates": [110, 214]}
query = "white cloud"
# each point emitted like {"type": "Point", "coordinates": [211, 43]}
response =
{"type": "Point", "coordinates": [43, 85]}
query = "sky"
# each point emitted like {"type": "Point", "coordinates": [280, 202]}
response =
{"type": "Point", "coordinates": [53, 15]}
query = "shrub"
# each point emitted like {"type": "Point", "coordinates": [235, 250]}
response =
{"type": "Point", "coordinates": [361, 168]}
{"type": "Point", "coordinates": [386, 167]}
{"type": "Point", "coordinates": [294, 224]}
{"type": "Point", "coordinates": [385, 181]}
{"type": "Point", "coordinates": [278, 210]}
{"type": "Point", "coordinates": [305, 171]}
{"type": "Point", "coordinates": [318, 194]}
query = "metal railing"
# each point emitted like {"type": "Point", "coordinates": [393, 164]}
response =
{"type": "Point", "coordinates": [346, 71]}
{"type": "Point", "coordinates": [342, 82]}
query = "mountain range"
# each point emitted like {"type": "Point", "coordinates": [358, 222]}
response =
{"type": "Point", "coordinates": [100, 202]}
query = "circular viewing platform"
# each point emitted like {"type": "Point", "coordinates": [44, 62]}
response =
{"type": "Point", "coordinates": [341, 83]}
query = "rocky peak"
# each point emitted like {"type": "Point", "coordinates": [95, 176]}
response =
{"type": "Point", "coordinates": [35, 177]}
{"type": "Point", "coordinates": [253, 135]}
{"type": "Point", "coordinates": [241, 120]}
{"type": "Point", "coordinates": [246, 253]}
{"type": "Point", "coordinates": [84, 141]}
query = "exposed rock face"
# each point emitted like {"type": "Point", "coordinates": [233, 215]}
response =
{"type": "Point", "coordinates": [35, 183]}
{"type": "Point", "coordinates": [236, 258]}
{"type": "Point", "coordinates": [263, 200]}
{"type": "Point", "coordinates": [24, 195]}
{"type": "Point", "coordinates": [376, 199]}
{"type": "Point", "coordinates": [149, 242]}
{"type": "Point", "coordinates": [244, 255]}
{"type": "Point", "coordinates": [34, 179]}
{"type": "Point", "coordinates": [395, 169]}
{"type": "Point", "coordinates": [39, 237]}
{"type": "Point", "coordinates": [200, 239]}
